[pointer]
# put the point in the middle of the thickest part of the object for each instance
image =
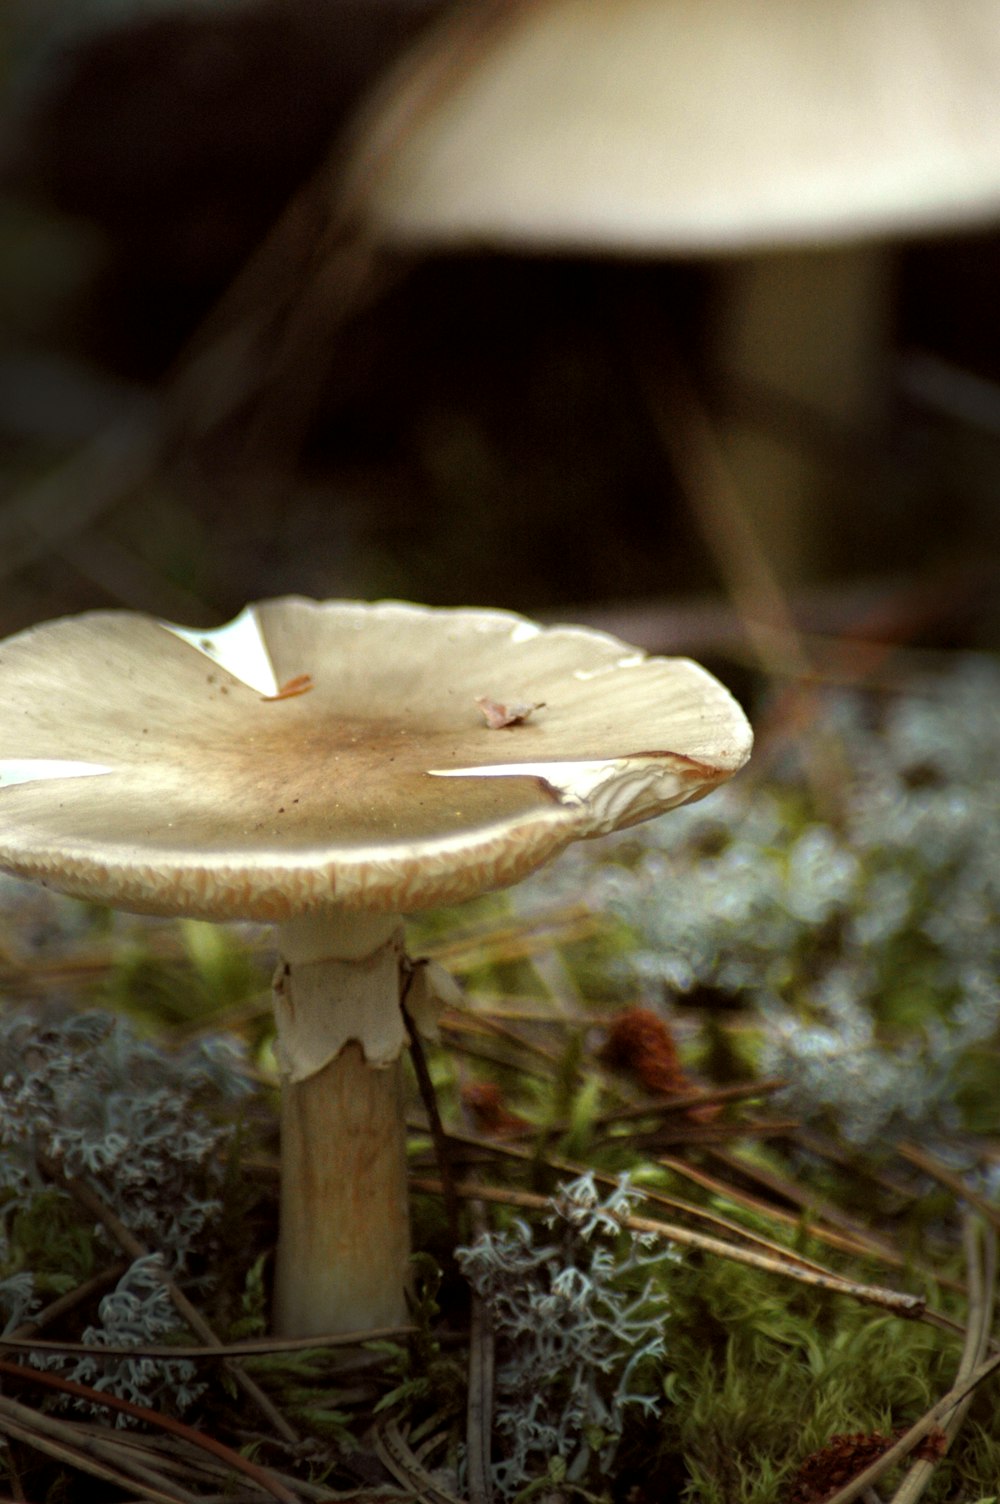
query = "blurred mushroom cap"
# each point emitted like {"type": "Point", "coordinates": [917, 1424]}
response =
{"type": "Point", "coordinates": [694, 126]}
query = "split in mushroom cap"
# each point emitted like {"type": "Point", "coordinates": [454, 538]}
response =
{"type": "Point", "coordinates": [378, 787]}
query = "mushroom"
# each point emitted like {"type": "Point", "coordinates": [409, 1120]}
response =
{"type": "Point", "coordinates": [325, 766]}
{"type": "Point", "coordinates": [790, 138]}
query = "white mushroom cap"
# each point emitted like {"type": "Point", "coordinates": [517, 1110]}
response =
{"type": "Point", "coordinates": [702, 125]}
{"type": "Point", "coordinates": [163, 770]}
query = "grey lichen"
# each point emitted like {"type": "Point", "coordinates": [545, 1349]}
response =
{"type": "Point", "coordinates": [18, 1300]}
{"type": "Point", "coordinates": [578, 1319]}
{"type": "Point", "coordinates": [136, 1313]}
{"type": "Point", "coordinates": [869, 947]}
{"type": "Point", "coordinates": [85, 1093]}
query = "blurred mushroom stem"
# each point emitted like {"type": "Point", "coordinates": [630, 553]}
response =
{"type": "Point", "coordinates": [344, 1248]}
{"type": "Point", "coordinates": [799, 343]}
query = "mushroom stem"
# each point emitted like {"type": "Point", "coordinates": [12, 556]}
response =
{"type": "Point", "coordinates": [344, 1245]}
{"type": "Point", "coordinates": [799, 340]}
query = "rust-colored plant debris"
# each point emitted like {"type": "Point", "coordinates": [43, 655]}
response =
{"type": "Point", "coordinates": [483, 1101]}
{"type": "Point", "coordinates": [642, 1044]}
{"type": "Point", "coordinates": [844, 1457]}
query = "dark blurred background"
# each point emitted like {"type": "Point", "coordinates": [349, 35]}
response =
{"type": "Point", "coordinates": [209, 394]}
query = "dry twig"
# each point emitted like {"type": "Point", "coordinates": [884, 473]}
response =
{"type": "Point", "coordinates": [900, 1304]}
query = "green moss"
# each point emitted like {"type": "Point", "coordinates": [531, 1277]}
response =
{"type": "Point", "coordinates": [763, 1372]}
{"type": "Point", "coordinates": [48, 1237]}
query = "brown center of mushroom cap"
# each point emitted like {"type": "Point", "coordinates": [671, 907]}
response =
{"type": "Point", "coordinates": [299, 775]}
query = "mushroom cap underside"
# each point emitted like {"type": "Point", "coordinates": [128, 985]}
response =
{"type": "Point", "coordinates": [692, 126]}
{"type": "Point", "coordinates": [333, 753]}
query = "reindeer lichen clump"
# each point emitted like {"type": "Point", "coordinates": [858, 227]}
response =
{"type": "Point", "coordinates": [578, 1319]}
{"type": "Point", "coordinates": [82, 1097]}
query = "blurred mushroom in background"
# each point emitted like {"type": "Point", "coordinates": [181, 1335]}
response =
{"type": "Point", "coordinates": [792, 144]}
{"type": "Point", "coordinates": [466, 392]}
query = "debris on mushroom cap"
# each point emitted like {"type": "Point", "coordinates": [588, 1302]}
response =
{"type": "Point", "coordinates": [730, 124]}
{"type": "Point", "coordinates": [162, 769]}
{"type": "Point", "coordinates": [514, 713]}
{"type": "Point", "coordinates": [299, 684]}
